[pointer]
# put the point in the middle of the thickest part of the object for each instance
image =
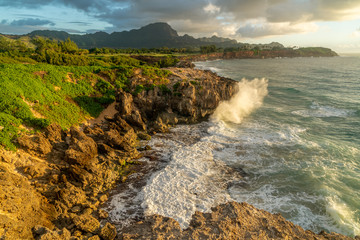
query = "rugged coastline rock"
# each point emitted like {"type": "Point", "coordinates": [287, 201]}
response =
{"type": "Point", "coordinates": [226, 221]}
{"type": "Point", "coordinates": [262, 54]}
{"type": "Point", "coordinates": [53, 186]}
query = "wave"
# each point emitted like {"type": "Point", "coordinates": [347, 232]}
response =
{"type": "Point", "coordinates": [249, 97]}
{"type": "Point", "coordinates": [343, 216]}
{"type": "Point", "coordinates": [317, 110]}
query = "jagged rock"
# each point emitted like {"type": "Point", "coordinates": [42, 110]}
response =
{"type": "Point", "coordinates": [154, 227]}
{"type": "Point", "coordinates": [37, 144]}
{"type": "Point", "coordinates": [159, 126]}
{"type": "Point", "coordinates": [114, 138]}
{"type": "Point", "coordinates": [227, 221]}
{"type": "Point", "coordinates": [144, 136]}
{"type": "Point", "coordinates": [43, 233]}
{"type": "Point", "coordinates": [129, 111]}
{"type": "Point", "coordinates": [82, 150]}
{"type": "Point", "coordinates": [130, 140]}
{"type": "Point", "coordinates": [104, 149]}
{"type": "Point", "coordinates": [81, 175]}
{"type": "Point", "coordinates": [54, 133]}
{"type": "Point", "coordinates": [72, 195]}
{"type": "Point", "coordinates": [121, 123]}
{"type": "Point", "coordinates": [108, 232]}
{"type": "Point", "coordinates": [86, 222]}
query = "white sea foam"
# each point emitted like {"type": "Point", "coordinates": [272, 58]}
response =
{"type": "Point", "coordinates": [344, 217]}
{"type": "Point", "coordinates": [317, 110]}
{"type": "Point", "coordinates": [250, 96]}
{"type": "Point", "coordinates": [190, 182]}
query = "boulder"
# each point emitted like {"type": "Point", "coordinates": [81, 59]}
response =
{"type": "Point", "coordinates": [54, 133]}
{"type": "Point", "coordinates": [108, 232]}
{"type": "Point", "coordinates": [38, 144]}
{"type": "Point", "coordinates": [86, 222]}
{"type": "Point", "coordinates": [82, 150]}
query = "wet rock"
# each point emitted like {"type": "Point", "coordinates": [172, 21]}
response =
{"type": "Point", "coordinates": [108, 232]}
{"type": "Point", "coordinates": [227, 221]}
{"type": "Point", "coordinates": [82, 150]}
{"type": "Point", "coordinates": [144, 136]}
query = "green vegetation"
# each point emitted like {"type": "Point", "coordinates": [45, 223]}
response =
{"type": "Point", "coordinates": [315, 51]}
{"type": "Point", "coordinates": [46, 81]}
{"type": "Point", "coordinates": [208, 49]}
{"type": "Point", "coordinates": [63, 84]}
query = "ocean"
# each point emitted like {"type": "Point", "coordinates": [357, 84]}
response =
{"type": "Point", "coordinates": [288, 142]}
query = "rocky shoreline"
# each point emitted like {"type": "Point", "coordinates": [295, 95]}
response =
{"type": "Point", "coordinates": [56, 182]}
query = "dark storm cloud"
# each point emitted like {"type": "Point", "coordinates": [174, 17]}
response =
{"type": "Point", "coordinates": [31, 22]}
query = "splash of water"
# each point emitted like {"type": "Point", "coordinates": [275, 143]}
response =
{"type": "Point", "coordinates": [250, 96]}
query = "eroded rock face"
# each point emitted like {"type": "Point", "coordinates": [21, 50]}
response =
{"type": "Point", "coordinates": [58, 179]}
{"type": "Point", "coordinates": [82, 150]}
{"type": "Point", "coordinates": [37, 145]}
{"type": "Point", "coordinates": [187, 96]}
{"type": "Point", "coordinates": [21, 206]}
{"type": "Point", "coordinates": [227, 221]}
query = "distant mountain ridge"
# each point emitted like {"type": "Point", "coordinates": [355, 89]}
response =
{"type": "Point", "coordinates": [154, 35]}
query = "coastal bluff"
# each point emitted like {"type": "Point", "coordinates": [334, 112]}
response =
{"type": "Point", "coordinates": [54, 185]}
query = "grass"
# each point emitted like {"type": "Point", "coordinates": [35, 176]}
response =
{"type": "Point", "coordinates": [61, 94]}
{"type": "Point", "coordinates": [66, 95]}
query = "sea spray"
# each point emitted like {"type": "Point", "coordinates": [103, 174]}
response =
{"type": "Point", "coordinates": [250, 96]}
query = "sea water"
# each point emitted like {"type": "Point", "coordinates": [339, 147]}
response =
{"type": "Point", "coordinates": [287, 142]}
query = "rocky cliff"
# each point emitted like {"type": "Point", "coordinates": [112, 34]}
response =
{"type": "Point", "coordinates": [261, 54]}
{"type": "Point", "coordinates": [53, 186]}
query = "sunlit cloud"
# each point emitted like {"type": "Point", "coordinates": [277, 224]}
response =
{"type": "Point", "coordinates": [266, 29]}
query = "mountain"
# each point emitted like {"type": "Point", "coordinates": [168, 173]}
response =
{"type": "Point", "coordinates": [154, 35]}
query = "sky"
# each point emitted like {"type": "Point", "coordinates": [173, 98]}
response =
{"type": "Point", "coordinates": [328, 23]}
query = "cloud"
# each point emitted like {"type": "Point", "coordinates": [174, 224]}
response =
{"type": "Point", "coordinates": [356, 33]}
{"type": "Point", "coordinates": [31, 22]}
{"type": "Point", "coordinates": [271, 29]}
{"type": "Point", "coordinates": [250, 18]}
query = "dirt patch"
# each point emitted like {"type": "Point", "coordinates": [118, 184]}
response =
{"type": "Point", "coordinates": [31, 105]}
{"type": "Point", "coordinates": [110, 111]}
{"type": "Point", "coordinates": [40, 74]}
{"type": "Point", "coordinates": [69, 78]}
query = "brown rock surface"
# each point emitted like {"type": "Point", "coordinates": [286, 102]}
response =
{"type": "Point", "coordinates": [38, 144]}
{"type": "Point", "coordinates": [108, 232]}
{"type": "Point", "coordinates": [58, 179]}
{"type": "Point", "coordinates": [227, 221]}
{"type": "Point", "coordinates": [82, 150]}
